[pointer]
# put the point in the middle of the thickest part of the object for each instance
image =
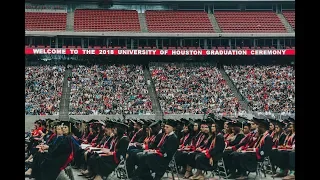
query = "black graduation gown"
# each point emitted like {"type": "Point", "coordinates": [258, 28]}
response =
{"type": "Point", "coordinates": [234, 144]}
{"type": "Point", "coordinates": [192, 155]}
{"type": "Point", "coordinates": [185, 140]}
{"type": "Point", "coordinates": [56, 158]}
{"type": "Point", "coordinates": [139, 136]}
{"type": "Point", "coordinates": [162, 156]}
{"type": "Point", "coordinates": [105, 165]}
{"type": "Point", "coordinates": [203, 159]}
{"type": "Point", "coordinates": [237, 140]}
{"type": "Point", "coordinates": [248, 161]}
{"type": "Point", "coordinates": [292, 160]}
{"type": "Point", "coordinates": [93, 158]}
{"type": "Point", "coordinates": [182, 155]}
{"type": "Point", "coordinates": [134, 158]}
{"type": "Point", "coordinates": [280, 158]}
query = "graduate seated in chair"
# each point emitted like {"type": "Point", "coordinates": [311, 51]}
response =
{"type": "Point", "coordinates": [105, 146]}
{"type": "Point", "coordinates": [53, 157]}
{"type": "Point", "coordinates": [158, 160]}
{"type": "Point", "coordinates": [197, 141]}
{"type": "Point", "coordinates": [134, 154]}
{"type": "Point", "coordinates": [280, 156]}
{"type": "Point", "coordinates": [106, 162]}
{"type": "Point", "coordinates": [246, 160]}
{"type": "Point", "coordinates": [210, 155]}
{"type": "Point", "coordinates": [208, 137]}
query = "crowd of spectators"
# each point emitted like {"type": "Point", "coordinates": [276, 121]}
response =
{"type": "Point", "coordinates": [43, 89]}
{"type": "Point", "coordinates": [109, 89]}
{"type": "Point", "coordinates": [192, 89]}
{"type": "Point", "coordinates": [266, 88]}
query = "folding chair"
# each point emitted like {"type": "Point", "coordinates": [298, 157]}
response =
{"type": "Point", "coordinates": [261, 168]}
{"type": "Point", "coordinates": [121, 169]}
{"type": "Point", "coordinates": [69, 173]}
{"type": "Point", "coordinates": [220, 165]}
{"type": "Point", "coordinates": [173, 167]}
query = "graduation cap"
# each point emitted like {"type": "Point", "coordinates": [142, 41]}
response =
{"type": "Point", "coordinates": [261, 122]}
{"type": "Point", "coordinates": [101, 122]}
{"type": "Point", "coordinates": [246, 123]}
{"type": "Point", "coordinates": [198, 121]}
{"type": "Point", "coordinates": [243, 118]}
{"type": "Point", "coordinates": [121, 125]}
{"type": "Point", "coordinates": [171, 122]}
{"type": "Point", "coordinates": [139, 122]}
{"type": "Point", "coordinates": [235, 124]}
{"type": "Point", "coordinates": [292, 120]}
{"type": "Point", "coordinates": [155, 123]}
{"type": "Point", "coordinates": [280, 123]}
{"type": "Point", "coordinates": [273, 121]}
{"type": "Point", "coordinates": [219, 123]}
{"type": "Point", "coordinates": [93, 121]}
{"type": "Point", "coordinates": [147, 123]}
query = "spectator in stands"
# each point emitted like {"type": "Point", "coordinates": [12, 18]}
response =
{"type": "Point", "coordinates": [190, 90]}
{"type": "Point", "coordinates": [101, 89]}
{"type": "Point", "coordinates": [266, 88]}
{"type": "Point", "coordinates": [43, 89]}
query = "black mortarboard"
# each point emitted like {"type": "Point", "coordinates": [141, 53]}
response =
{"type": "Point", "coordinates": [92, 121]}
{"type": "Point", "coordinates": [155, 124]}
{"type": "Point", "coordinates": [243, 118]}
{"type": "Point", "coordinates": [246, 123]}
{"type": "Point", "coordinates": [171, 122]}
{"type": "Point", "coordinates": [101, 122]}
{"type": "Point", "coordinates": [273, 121]}
{"type": "Point", "coordinates": [147, 123]}
{"type": "Point", "coordinates": [236, 124]}
{"type": "Point", "coordinates": [184, 121]}
{"type": "Point", "coordinates": [262, 122]}
{"type": "Point", "coordinates": [198, 121]}
{"type": "Point", "coordinates": [139, 122]}
{"type": "Point", "coordinates": [121, 125]}
{"type": "Point", "coordinates": [280, 123]}
{"type": "Point", "coordinates": [225, 119]}
{"type": "Point", "coordinates": [292, 120]}
{"type": "Point", "coordinates": [219, 123]}
{"type": "Point", "coordinates": [132, 121]}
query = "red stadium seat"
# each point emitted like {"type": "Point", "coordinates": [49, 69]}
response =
{"type": "Point", "coordinates": [291, 18]}
{"type": "Point", "coordinates": [45, 21]}
{"type": "Point", "coordinates": [249, 22]}
{"type": "Point", "coordinates": [178, 21]}
{"type": "Point", "coordinates": [106, 20]}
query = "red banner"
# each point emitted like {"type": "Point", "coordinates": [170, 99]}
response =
{"type": "Point", "coordinates": [164, 52]}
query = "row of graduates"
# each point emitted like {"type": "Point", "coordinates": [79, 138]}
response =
{"type": "Point", "coordinates": [200, 145]}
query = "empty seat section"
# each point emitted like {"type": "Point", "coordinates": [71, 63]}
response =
{"type": "Point", "coordinates": [106, 20]}
{"type": "Point", "coordinates": [249, 22]}
{"type": "Point", "coordinates": [291, 18]}
{"type": "Point", "coordinates": [178, 21]}
{"type": "Point", "coordinates": [45, 21]}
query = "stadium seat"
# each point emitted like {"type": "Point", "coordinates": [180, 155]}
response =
{"type": "Point", "coordinates": [178, 21]}
{"type": "Point", "coordinates": [45, 21]}
{"type": "Point", "coordinates": [106, 20]}
{"type": "Point", "coordinates": [290, 16]}
{"type": "Point", "coordinates": [249, 22]}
